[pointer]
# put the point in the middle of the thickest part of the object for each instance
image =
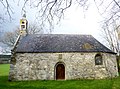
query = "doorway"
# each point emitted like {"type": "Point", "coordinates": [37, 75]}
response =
{"type": "Point", "coordinates": [60, 71]}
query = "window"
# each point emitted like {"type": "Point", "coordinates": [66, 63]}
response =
{"type": "Point", "coordinates": [23, 22]}
{"type": "Point", "coordinates": [22, 27]}
{"type": "Point", "coordinates": [98, 59]}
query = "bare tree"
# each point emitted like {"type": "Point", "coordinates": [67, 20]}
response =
{"type": "Point", "coordinates": [50, 12]}
{"type": "Point", "coordinates": [110, 34]}
{"type": "Point", "coordinates": [7, 7]}
{"type": "Point", "coordinates": [110, 11]}
{"type": "Point", "coordinates": [9, 38]}
{"type": "Point", "coordinates": [34, 28]}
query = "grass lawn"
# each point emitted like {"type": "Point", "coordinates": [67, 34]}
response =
{"type": "Point", "coordinates": [4, 69]}
{"type": "Point", "coordinates": [68, 84]}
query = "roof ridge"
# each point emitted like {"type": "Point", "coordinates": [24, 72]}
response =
{"type": "Point", "coordinates": [61, 34]}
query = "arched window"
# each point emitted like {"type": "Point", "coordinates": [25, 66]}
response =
{"type": "Point", "coordinates": [98, 59]}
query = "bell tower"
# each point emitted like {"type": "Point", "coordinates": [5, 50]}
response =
{"type": "Point", "coordinates": [23, 25]}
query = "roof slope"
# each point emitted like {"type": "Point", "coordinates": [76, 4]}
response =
{"type": "Point", "coordinates": [60, 43]}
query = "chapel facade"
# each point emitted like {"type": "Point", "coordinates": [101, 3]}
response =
{"type": "Point", "coordinates": [60, 56]}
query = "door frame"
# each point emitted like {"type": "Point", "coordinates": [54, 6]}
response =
{"type": "Point", "coordinates": [55, 69]}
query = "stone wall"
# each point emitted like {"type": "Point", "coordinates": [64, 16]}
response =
{"type": "Point", "coordinates": [42, 66]}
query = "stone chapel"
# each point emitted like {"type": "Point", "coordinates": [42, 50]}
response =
{"type": "Point", "coordinates": [60, 57]}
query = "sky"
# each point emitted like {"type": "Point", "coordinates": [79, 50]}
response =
{"type": "Point", "coordinates": [79, 22]}
{"type": "Point", "coordinates": [76, 21]}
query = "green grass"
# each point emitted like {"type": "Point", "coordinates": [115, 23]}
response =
{"type": "Point", "coordinates": [4, 69]}
{"type": "Point", "coordinates": [68, 84]}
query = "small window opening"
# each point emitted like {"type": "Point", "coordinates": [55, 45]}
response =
{"type": "Point", "coordinates": [23, 22]}
{"type": "Point", "coordinates": [22, 27]}
{"type": "Point", "coordinates": [98, 59]}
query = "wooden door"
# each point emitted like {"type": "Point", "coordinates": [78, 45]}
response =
{"type": "Point", "coordinates": [60, 71]}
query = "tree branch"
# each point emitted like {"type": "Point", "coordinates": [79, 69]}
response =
{"type": "Point", "coordinates": [116, 3]}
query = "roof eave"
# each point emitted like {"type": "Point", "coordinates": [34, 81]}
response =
{"type": "Point", "coordinates": [66, 52]}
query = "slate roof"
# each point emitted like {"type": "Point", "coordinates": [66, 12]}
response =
{"type": "Point", "coordinates": [60, 43]}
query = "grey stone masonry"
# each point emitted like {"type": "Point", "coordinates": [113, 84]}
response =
{"type": "Point", "coordinates": [42, 66]}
